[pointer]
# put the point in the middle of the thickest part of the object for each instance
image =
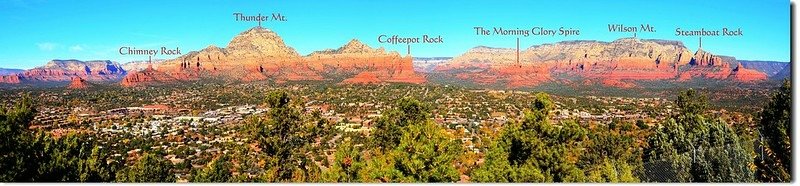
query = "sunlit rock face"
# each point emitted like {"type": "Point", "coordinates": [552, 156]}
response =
{"type": "Point", "coordinates": [259, 54]}
{"type": "Point", "coordinates": [66, 70]}
{"type": "Point", "coordinates": [620, 63]}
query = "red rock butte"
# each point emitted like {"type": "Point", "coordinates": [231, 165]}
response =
{"type": "Point", "coordinates": [78, 83]}
{"type": "Point", "coordinates": [260, 54]}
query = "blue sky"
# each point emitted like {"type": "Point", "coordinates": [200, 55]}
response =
{"type": "Point", "coordinates": [36, 31]}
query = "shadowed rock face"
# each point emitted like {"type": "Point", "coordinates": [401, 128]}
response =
{"type": "Point", "coordinates": [773, 69]}
{"type": "Point", "coordinates": [260, 54]}
{"type": "Point", "coordinates": [66, 70]}
{"type": "Point", "coordinates": [620, 63]}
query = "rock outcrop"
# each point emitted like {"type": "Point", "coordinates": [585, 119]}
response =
{"type": "Point", "coordinates": [135, 66]}
{"type": "Point", "coordinates": [369, 65]}
{"type": "Point", "coordinates": [739, 73]}
{"type": "Point", "coordinates": [773, 69]}
{"type": "Point", "coordinates": [620, 63]}
{"type": "Point", "coordinates": [148, 76]}
{"type": "Point", "coordinates": [10, 79]}
{"type": "Point", "coordinates": [363, 78]}
{"type": "Point", "coordinates": [259, 54]}
{"type": "Point", "coordinates": [78, 83]}
{"type": "Point", "coordinates": [258, 43]}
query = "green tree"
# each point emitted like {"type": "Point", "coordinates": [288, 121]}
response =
{"type": "Point", "coordinates": [381, 168]}
{"type": "Point", "coordinates": [216, 171]}
{"type": "Point", "coordinates": [96, 168]}
{"type": "Point", "coordinates": [285, 138]}
{"type": "Point", "coordinates": [70, 158]}
{"type": "Point", "coordinates": [16, 159]}
{"type": "Point", "coordinates": [347, 164]}
{"type": "Point", "coordinates": [418, 150]}
{"type": "Point", "coordinates": [775, 128]}
{"type": "Point", "coordinates": [696, 149]}
{"type": "Point", "coordinates": [427, 154]}
{"type": "Point", "coordinates": [407, 146]}
{"type": "Point", "coordinates": [611, 155]}
{"type": "Point", "coordinates": [150, 168]}
{"type": "Point", "coordinates": [641, 125]}
{"type": "Point", "coordinates": [388, 128]}
{"type": "Point", "coordinates": [534, 150]}
{"type": "Point", "coordinates": [27, 155]}
{"type": "Point", "coordinates": [612, 172]}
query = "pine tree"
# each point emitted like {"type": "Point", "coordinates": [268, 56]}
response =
{"type": "Point", "coordinates": [695, 148]}
{"type": "Point", "coordinates": [775, 128]}
{"type": "Point", "coordinates": [534, 150]}
{"type": "Point", "coordinates": [406, 146]}
{"type": "Point", "coordinates": [16, 155]}
{"type": "Point", "coordinates": [284, 137]}
{"type": "Point", "coordinates": [150, 168]}
{"type": "Point", "coordinates": [216, 171]}
{"type": "Point", "coordinates": [348, 162]}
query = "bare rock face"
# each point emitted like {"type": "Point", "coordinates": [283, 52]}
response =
{"type": "Point", "coordinates": [135, 66]}
{"type": "Point", "coordinates": [370, 65]}
{"type": "Point", "coordinates": [78, 83]}
{"type": "Point", "coordinates": [621, 60]}
{"type": "Point", "coordinates": [363, 78]}
{"type": "Point", "coordinates": [10, 79]}
{"type": "Point", "coordinates": [66, 70]}
{"type": "Point", "coordinates": [354, 48]}
{"type": "Point", "coordinates": [743, 74]}
{"type": "Point", "coordinates": [620, 63]}
{"type": "Point", "coordinates": [148, 76]}
{"type": "Point", "coordinates": [259, 42]}
{"type": "Point", "coordinates": [706, 59]}
{"type": "Point", "coordinates": [259, 54]}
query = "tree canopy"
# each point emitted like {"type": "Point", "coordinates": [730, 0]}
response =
{"type": "Point", "coordinates": [691, 147]}
{"type": "Point", "coordinates": [150, 168]}
{"type": "Point", "coordinates": [407, 146]}
{"type": "Point", "coordinates": [536, 150]}
{"type": "Point", "coordinates": [775, 127]}
{"type": "Point", "coordinates": [35, 156]}
{"type": "Point", "coordinates": [284, 137]}
{"type": "Point", "coordinates": [216, 171]}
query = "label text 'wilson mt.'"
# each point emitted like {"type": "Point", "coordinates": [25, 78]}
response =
{"type": "Point", "coordinates": [629, 28]}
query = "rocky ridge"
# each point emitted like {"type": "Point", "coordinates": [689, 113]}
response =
{"type": "Point", "coordinates": [260, 54]}
{"type": "Point", "coordinates": [8, 71]}
{"type": "Point", "coordinates": [620, 63]}
{"type": "Point", "coordinates": [66, 70]}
